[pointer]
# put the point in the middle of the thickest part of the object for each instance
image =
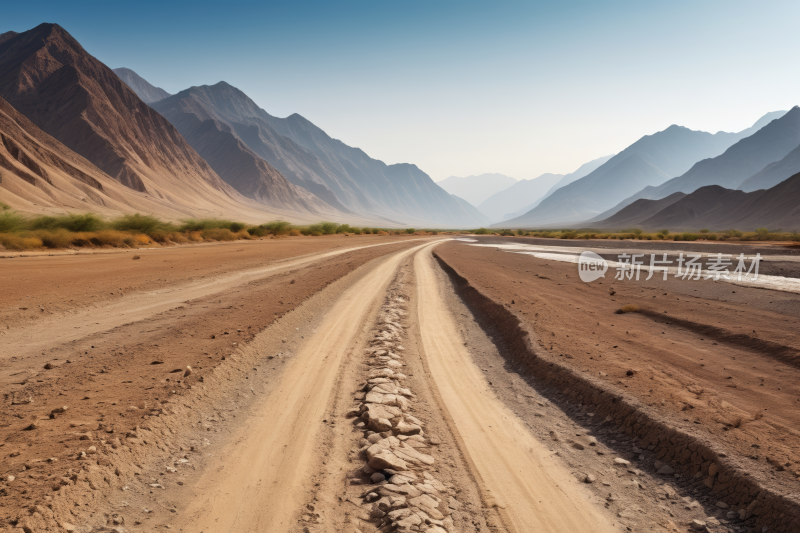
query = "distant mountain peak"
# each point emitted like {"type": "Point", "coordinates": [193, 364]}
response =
{"type": "Point", "coordinates": [143, 89]}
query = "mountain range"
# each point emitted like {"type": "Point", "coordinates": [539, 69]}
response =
{"type": "Point", "coordinates": [213, 151]}
{"type": "Point", "coordinates": [716, 207]}
{"type": "Point", "coordinates": [519, 194]}
{"type": "Point", "coordinates": [49, 78]}
{"type": "Point", "coordinates": [757, 161]}
{"type": "Point", "coordinates": [650, 161]}
{"type": "Point", "coordinates": [582, 171]}
{"type": "Point", "coordinates": [476, 189]}
{"type": "Point", "coordinates": [78, 136]}
{"type": "Point", "coordinates": [344, 177]}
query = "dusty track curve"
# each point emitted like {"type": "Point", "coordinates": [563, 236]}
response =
{"type": "Point", "coordinates": [519, 475]}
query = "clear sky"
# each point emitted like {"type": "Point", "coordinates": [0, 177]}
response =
{"type": "Point", "coordinates": [459, 88]}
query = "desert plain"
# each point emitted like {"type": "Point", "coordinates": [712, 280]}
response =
{"type": "Point", "coordinates": [396, 383]}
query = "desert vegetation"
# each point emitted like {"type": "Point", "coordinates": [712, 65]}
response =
{"type": "Point", "coordinates": [18, 232]}
{"type": "Point", "coordinates": [761, 234]}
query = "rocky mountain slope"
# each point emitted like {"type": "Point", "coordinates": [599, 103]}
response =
{"type": "Point", "coordinates": [40, 175]}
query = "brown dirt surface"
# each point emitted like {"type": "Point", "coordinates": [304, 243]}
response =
{"type": "Point", "coordinates": [714, 360]}
{"type": "Point", "coordinates": [110, 380]}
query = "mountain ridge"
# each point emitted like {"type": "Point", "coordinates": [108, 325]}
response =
{"type": "Point", "coordinates": [341, 175]}
{"type": "Point", "coordinates": [655, 159]}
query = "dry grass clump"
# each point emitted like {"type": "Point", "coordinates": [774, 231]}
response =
{"type": "Point", "coordinates": [630, 308]}
{"type": "Point", "coordinates": [18, 242]}
{"type": "Point", "coordinates": [223, 234]}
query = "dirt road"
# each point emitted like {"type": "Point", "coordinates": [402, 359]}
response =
{"type": "Point", "coordinates": [261, 434]}
{"type": "Point", "coordinates": [257, 482]}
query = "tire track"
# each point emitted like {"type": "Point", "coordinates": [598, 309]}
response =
{"type": "Point", "coordinates": [517, 472]}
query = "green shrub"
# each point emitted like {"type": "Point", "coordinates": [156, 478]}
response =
{"type": "Point", "coordinates": [212, 223]}
{"type": "Point", "coordinates": [4, 206]}
{"type": "Point", "coordinates": [70, 222]}
{"type": "Point", "coordinates": [664, 232]}
{"type": "Point", "coordinates": [410, 230]}
{"type": "Point", "coordinates": [704, 230]}
{"type": "Point", "coordinates": [11, 221]}
{"type": "Point", "coordinates": [276, 227]}
{"type": "Point", "coordinates": [481, 231]}
{"type": "Point", "coordinates": [328, 228]}
{"type": "Point", "coordinates": [139, 223]}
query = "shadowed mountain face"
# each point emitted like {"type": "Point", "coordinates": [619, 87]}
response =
{"type": "Point", "coordinates": [744, 159]}
{"type": "Point", "coordinates": [519, 194]}
{"type": "Point", "coordinates": [639, 210]}
{"type": "Point", "coordinates": [774, 173]}
{"type": "Point", "coordinates": [476, 189]}
{"type": "Point", "coordinates": [719, 208]}
{"type": "Point", "coordinates": [343, 176]}
{"type": "Point", "coordinates": [140, 86]}
{"type": "Point", "coordinates": [48, 77]}
{"type": "Point", "coordinates": [650, 161]}
{"type": "Point", "coordinates": [7, 35]}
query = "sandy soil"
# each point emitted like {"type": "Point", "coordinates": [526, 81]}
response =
{"type": "Point", "coordinates": [222, 397]}
{"type": "Point", "coordinates": [715, 360]}
{"type": "Point", "coordinates": [114, 375]}
{"type": "Point", "coordinates": [519, 477]}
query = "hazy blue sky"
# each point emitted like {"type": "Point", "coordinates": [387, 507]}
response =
{"type": "Point", "coordinates": [518, 88]}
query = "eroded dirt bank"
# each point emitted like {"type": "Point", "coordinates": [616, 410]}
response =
{"type": "Point", "coordinates": [720, 415]}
